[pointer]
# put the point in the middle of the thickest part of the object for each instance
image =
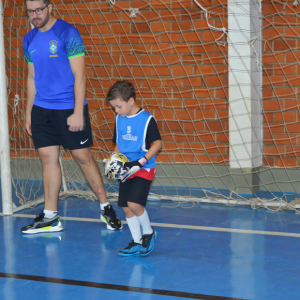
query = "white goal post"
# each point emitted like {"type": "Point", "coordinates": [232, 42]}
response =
{"type": "Point", "coordinates": [6, 185]}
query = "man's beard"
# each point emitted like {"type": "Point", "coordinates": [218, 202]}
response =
{"type": "Point", "coordinates": [39, 23]}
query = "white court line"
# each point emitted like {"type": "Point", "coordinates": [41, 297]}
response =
{"type": "Point", "coordinates": [232, 230]}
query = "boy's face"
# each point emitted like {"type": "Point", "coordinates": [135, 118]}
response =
{"type": "Point", "coordinates": [122, 108]}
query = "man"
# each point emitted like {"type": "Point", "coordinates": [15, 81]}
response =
{"type": "Point", "coordinates": [57, 110]}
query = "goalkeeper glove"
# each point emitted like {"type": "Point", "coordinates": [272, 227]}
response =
{"type": "Point", "coordinates": [133, 166]}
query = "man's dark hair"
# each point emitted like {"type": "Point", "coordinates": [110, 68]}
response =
{"type": "Point", "coordinates": [121, 89]}
{"type": "Point", "coordinates": [46, 2]}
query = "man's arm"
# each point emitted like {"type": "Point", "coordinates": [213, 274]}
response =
{"type": "Point", "coordinates": [31, 91]}
{"type": "Point", "coordinates": [76, 120]}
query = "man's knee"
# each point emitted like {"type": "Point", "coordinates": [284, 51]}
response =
{"type": "Point", "coordinates": [82, 156]}
{"type": "Point", "coordinates": [48, 156]}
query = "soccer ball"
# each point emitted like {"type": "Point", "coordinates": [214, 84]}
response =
{"type": "Point", "coordinates": [114, 167]}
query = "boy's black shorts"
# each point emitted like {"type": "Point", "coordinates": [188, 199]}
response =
{"type": "Point", "coordinates": [134, 190]}
{"type": "Point", "coordinates": [49, 128]}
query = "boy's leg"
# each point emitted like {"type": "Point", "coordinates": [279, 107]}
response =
{"type": "Point", "coordinates": [138, 194]}
{"type": "Point", "coordinates": [48, 221]}
{"type": "Point", "coordinates": [142, 216]}
{"type": "Point", "coordinates": [93, 176]}
{"type": "Point", "coordinates": [134, 247]}
{"type": "Point", "coordinates": [134, 225]}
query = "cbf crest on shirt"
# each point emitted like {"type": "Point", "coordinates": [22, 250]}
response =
{"type": "Point", "coordinates": [53, 48]}
{"type": "Point", "coordinates": [50, 52]}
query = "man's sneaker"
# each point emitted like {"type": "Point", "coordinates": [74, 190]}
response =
{"type": "Point", "coordinates": [108, 216]}
{"type": "Point", "coordinates": [42, 224]}
{"type": "Point", "coordinates": [132, 249]}
{"type": "Point", "coordinates": [148, 243]}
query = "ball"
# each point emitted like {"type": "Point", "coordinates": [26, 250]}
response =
{"type": "Point", "coordinates": [114, 166]}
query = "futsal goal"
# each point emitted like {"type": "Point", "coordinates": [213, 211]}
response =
{"type": "Point", "coordinates": [220, 77]}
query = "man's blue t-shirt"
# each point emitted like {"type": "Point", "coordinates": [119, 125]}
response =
{"type": "Point", "coordinates": [50, 52]}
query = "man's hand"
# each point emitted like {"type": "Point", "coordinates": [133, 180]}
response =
{"type": "Point", "coordinates": [133, 166]}
{"type": "Point", "coordinates": [28, 124]}
{"type": "Point", "coordinates": [76, 122]}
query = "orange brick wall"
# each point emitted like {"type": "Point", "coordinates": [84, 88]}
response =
{"type": "Point", "coordinates": [180, 73]}
{"type": "Point", "coordinates": [281, 84]}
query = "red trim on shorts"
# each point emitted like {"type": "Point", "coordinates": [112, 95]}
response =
{"type": "Point", "coordinates": [149, 175]}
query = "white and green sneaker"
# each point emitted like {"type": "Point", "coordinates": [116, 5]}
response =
{"type": "Point", "coordinates": [109, 216]}
{"type": "Point", "coordinates": [43, 224]}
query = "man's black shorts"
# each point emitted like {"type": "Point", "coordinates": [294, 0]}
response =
{"type": "Point", "coordinates": [49, 128]}
{"type": "Point", "coordinates": [134, 190]}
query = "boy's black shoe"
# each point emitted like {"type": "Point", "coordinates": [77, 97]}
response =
{"type": "Point", "coordinates": [148, 243]}
{"type": "Point", "coordinates": [132, 249]}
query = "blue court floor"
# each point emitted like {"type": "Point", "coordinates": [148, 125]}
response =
{"type": "Point", "coordinates": [207, 251]}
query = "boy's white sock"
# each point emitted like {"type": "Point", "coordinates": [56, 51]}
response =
{"type": "Point", "coordinates": [145, 223]}
{"type": "Point", "coordinates": [49, 214]}
{"type": "Point", "coordinates": [103, 205]}
{"type": "Point", "coordinates": [135, 229]}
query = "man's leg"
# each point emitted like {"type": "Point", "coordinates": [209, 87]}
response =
{"type": "Point", "coordinates": [91, 172]}
{"type": "Point", "coordinates": [48, 221]}
{"type": "Point", "coordinates": [51, 175]}
{"type": "Point", "coordinates": [93, 176]}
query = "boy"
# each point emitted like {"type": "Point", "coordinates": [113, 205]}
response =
{"type": "Point", "coordinates": [136, 135]}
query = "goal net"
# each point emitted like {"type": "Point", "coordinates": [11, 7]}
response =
{"type": "Point", "coordinates": [190, 65]}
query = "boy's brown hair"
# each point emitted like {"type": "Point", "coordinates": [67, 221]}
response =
{"type": "Point", "coordinates": [121, 89]}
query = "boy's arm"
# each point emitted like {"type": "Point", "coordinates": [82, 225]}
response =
{"type": "Point", "coordinates": [116, 149]}
{"type": "Point", "coordinates": [114, 140]}
{"type": "Point", "coordinates": [134, 166]}
{"type": "Point", "coordinates": [155, 147]}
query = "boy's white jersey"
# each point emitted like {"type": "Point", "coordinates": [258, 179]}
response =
{"type": "Point", "coordinates": [131, 136]}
